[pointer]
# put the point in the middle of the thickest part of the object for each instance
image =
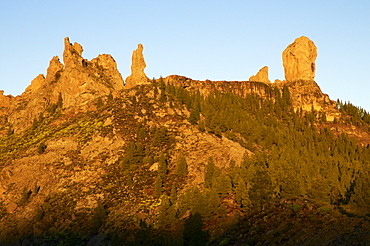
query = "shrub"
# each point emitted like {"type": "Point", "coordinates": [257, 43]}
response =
{"type": "Point", "coordinates": [323, 210]}
{"type": "Point", "coordinates": [42, 147]}
{"type": "Point", "coordinates": [296, 207]}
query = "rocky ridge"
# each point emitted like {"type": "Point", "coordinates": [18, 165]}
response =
{"type": "Point", "coordinates": [79, 82]}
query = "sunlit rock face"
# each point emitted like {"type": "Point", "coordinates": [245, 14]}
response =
{"type": "Point", "coordinates": [77, 83]}
{"type": "Point", "coordinates": [138, 65]}
{"type": "Point", "coordinates": [299, 60]}
{"type": "Point", "coordinates": [261, 76]}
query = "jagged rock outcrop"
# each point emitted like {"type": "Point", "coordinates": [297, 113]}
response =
{"type": "Point", "coordinates": [261, 76]}
{"type": "Point", "coordinates": [54, 69]}
{"type": "Point", "coordinates": [78, 83]}
{"type": "Point", "coordinates": [72, 55]}
{"type": "Point", "coordinates": [299, 60]}
{"type": "Point", "coordinates": [5, 100]}
{"type": "Point", "coordinates": [36, 84]}
{"type": "Point", "coordinates": [138, 65]}
{"type": "Point", "coordinates": [81, 80]}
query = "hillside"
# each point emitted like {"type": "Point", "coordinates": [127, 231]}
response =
{"type": "Point", "coordinates": [87, 159]}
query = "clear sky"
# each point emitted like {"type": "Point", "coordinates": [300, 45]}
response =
{"type": "Point", "coordinates": [200, 39]}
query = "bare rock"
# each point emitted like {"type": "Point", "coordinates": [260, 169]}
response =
{"type": "Point", "coordinates": [5, 100]}
{"type": "Point", "coordinates": [54, 69]}
{"type": "Point", "coordinates": [53, 74]}
{"type": "Point", "coordinates": [78, 83]}
{"type": "Point", "coordinates": [108, 68]}
{"type": "Point", "coordinates": [36, 83]}
{"type": "Point", "coordinates": [11, 207]}
{"type": "Point", "coordinates": [81, 81]}
{"type": "Point", "coordinates": [261, 76]}
{"type": "Point", "coordinates": [72, 55]}
{"type": "Point", "coordinates": [299, 60]}
{"type": "Point", "coordinates": [138, 65]}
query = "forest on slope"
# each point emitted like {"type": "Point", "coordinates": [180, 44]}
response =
{"type": "Point", "coordinates": [298, 170]}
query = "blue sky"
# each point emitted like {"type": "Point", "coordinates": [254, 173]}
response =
{"type": "Point", "coordinates": [216, 40]}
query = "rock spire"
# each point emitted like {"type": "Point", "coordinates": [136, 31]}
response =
{"type": "Point", "coordinates": [261, 76]}
{"type": "Point", "coordinates": [299, 60]}
{"type": "Point", "coordinates": [72, 55]}
{"type": "Point", "coordinates": [137, 76]}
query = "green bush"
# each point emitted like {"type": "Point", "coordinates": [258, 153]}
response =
{"type": "Point", "coordinates": [224, 242]}
{"type": "Point", "coordinates": [296, 207]}
{"type": "Point", "coordinates": [323, 210]}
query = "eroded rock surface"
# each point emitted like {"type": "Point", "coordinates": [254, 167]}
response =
{"type": "Point", "coordinates": [138, 65]}
{"type": "Point", "coordinates": [299, 60]}
{"type": "Point", "coordinates": [77, 83]}
{"type": "Point", "coordinates": [261, 76]}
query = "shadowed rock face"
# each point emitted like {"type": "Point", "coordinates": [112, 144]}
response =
{"type": "Point", "coordinates": [138, 65]}
{"type": "Point", "coordinates": [261, 76]}
{"type": "Point", "coordinates": [299, 60]}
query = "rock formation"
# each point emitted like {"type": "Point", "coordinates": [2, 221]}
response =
{"type": "Point", "coordinates": [4, 100]}
{"type": "Point", "coordinates": [36, 83]}
{"type": "Point", "coordinates": [78, 82]}
{"type": "Point", "coordinates": [138, 65]}
{"type": "Point", "coordinates": [299, 60]}
{"type": "Point", "coordinates": [54, 69]}
{"type": "Point", "coordinates": [261, 76]}
{"type": "Point", "coordinates": [72, 55]}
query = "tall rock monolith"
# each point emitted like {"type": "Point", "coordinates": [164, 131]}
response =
{"type": "Point", "coordinates": [138, 65]}
{"type": "Point", "coordinates": [299, 60]}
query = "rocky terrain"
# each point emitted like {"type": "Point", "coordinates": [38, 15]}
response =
{"type": "Point", "coordinates": [90, 159]}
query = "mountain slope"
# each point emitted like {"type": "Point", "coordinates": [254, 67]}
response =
{"type": "Point", "coordinates": [178, 161]}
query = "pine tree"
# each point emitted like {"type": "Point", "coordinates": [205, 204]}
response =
{"type": "Point", "coordinates": [261, 191]}
{"type": "Point", "coordinates": [194, 116]}
{"type": "Point", "coordinates": [158, 186]}
{"type": "Point", "coordinates": [222, 184]}
{"type": "Point", "coordinates": [208, 175]}
{"type": "Point", "coordinates": [182, 166]}
{"type": "Point", "coordinates": [241, 194]}
{"type": "Point", "coordinates": [173, 195]}
{"type": "Point", "coordinates": [193, 233]}
{"type": "Point", "coordinates": [213, 202]}
{"type": "Point", "coordinates": [162, 167]}
{"type": "Point", "coordinates": [167, 213]}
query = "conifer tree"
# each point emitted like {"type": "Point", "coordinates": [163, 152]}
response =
{"type": "Point", "coordinates": [208, 175]}
{"type": "Point", "coordinates": [193, 233]}
{"type": "Point", "coordinates": [213, 202]}
{"type": "Point", "coordinates": [162, 167]}
{"type": "Point", "coordinates": [173, 195]}
{"type": "Point", "coordinates": [241, 193]}
{"type": "Point", "coordinates": [158, 186]}
{"type": "Point", "coordinates": [261, 191]}
{"type": "Point", "coordinates": [182, 166]}
{"type": "Point", "coordinates": [167, 213]}
{"type": "Point", "coordinates": [222, 184]}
